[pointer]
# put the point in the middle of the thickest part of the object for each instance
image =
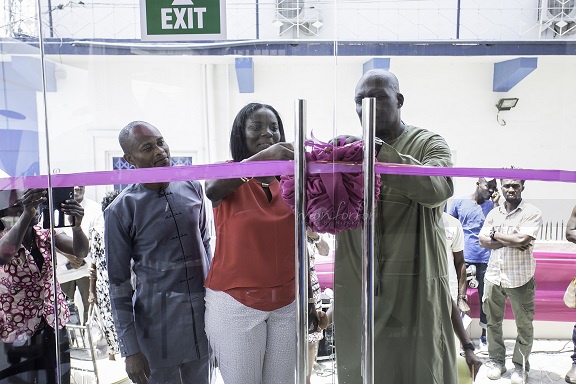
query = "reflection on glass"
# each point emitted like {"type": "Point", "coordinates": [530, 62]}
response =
{"type": "Point", "coordinates": [99, 75]}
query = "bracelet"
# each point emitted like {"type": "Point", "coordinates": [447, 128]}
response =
{"type": "Point", "coordinates": [469, 346]}
{"type": "Point", "coordinates": [378, 143]}
{"type": "Point", "coordinates": [492, 233]}
{"type": "Point", "coordinates": [313, 241]}
{"type": "Point", "coordinates": [463, 297]}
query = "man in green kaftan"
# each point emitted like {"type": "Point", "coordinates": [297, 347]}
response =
{"type": "Point", "coordinates": [413, 334]}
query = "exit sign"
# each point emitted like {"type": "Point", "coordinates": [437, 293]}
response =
{"type": "Point", "coordinates": [178, 20]}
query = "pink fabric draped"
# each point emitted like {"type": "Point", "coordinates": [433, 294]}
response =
{"type": "Point", "coordinates": [334, 201]}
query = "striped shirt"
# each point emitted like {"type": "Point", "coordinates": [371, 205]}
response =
{"type": "Point", "coordinates": [512, 267]}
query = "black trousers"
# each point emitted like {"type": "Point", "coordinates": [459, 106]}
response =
{"type": "Point", "coordinates": [35, 361]}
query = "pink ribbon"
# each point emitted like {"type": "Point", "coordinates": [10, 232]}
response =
{"type": "Point", "coordinates": [266, 168]}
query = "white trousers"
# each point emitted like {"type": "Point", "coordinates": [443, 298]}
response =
{"type": "Point", "coordinates": [251, 346]}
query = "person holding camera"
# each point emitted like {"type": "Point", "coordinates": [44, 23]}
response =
{"type": "Point", "coordinates": [471, 211]}
{"type": "Point", "coordinates": [28, 296]}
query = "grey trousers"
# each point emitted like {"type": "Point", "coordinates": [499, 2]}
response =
{"type": "Point", "coordinates": [494, 304]}
{"type": "Point", "coordinates": [190, 372]}
{"type": "Point", "coordinates": [83, 284]}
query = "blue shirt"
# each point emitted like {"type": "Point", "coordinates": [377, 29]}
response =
{"type": "Point", "coordinates": [472, 217]}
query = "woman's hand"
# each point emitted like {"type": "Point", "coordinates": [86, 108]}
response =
{"type": "Point", "coordinates": [278, 151]}
{"type": "Point", "coordinates": [463, 306]}
{"type": "Point", "coordinates": [343, 140]}
{"type": "Point", "coordinates": [323, 320]}
{"type": "Point", "coordinates": [31, 199]}
{"type": "Point", "coordinates": [74, 209]}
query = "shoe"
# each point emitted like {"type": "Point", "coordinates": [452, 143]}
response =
{"type": "Point", "coordinates": [483, 344]}
{"type": "Point", "coordinates": [571, 375]}
{"type": "Point", "coordinates": [519, 376]}
{"type": "Point", "coordinates": [495, 370]}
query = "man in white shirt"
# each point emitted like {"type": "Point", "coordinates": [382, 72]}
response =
{"type": "Point", "coordinates": [456, 263]}
{"type": "Point", "coordinates": [72, 272]}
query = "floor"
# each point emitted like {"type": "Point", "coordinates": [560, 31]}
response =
{"type": "Point", "coordinates": [550, 360]}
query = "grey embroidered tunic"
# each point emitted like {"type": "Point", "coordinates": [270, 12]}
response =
{"type": "Point", "coordinates": [165, 236]}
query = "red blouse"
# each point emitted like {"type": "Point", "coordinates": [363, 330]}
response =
{"type": "Point", "coordinates": [254, 256]}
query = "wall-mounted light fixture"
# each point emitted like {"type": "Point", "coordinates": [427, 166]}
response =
{"type": "Point", "coordinates": [505, 104]}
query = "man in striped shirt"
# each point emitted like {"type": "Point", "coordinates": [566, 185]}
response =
{"type": "Point", "coordinates": [509, 232]}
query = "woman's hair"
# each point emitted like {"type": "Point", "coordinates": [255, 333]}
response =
{"type": "Point", "coordinates": [238, 135]}
{"type": "Point", "coordinates": [109, 197]}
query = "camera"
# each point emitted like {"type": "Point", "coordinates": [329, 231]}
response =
{"type": "Point", "coordinates": [59, 195]}
{"type": "Point", "coordinates": [471, 276]}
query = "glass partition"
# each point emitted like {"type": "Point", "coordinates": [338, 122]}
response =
{"type": "Point", "coordinates": [489, 83]}
{"type": "Point", "coordinates": [32, 301]}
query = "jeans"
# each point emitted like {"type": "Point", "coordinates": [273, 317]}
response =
{"type": "Point", "coordinates": [522, 300]}
{"type": "Point", "coordinates": [480, 272]}
{"type": "Point", "coordinates": [574, 342]}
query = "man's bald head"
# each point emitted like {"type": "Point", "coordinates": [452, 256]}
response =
{"type": "Point", "coordinates": [384, 87]}
{"type": "Point", "coordinates": [126, 132]}
{"type": "Point", "coordinates": [382, 77]}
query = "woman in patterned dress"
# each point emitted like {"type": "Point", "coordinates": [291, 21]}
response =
{"type": "Point", "coordinates": [27, 293]}
{"type": "Point", "coordinates": [99, 285]}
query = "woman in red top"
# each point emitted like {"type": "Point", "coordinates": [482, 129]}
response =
{"type": "Point", "coordinates": [250, 310]}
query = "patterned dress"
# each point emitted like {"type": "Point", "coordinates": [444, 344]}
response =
{"type": "Point", "coordinates": [27, 292]}
{"type": "Point", "coordinates": [316, 291]}
{"type": "Point", "coordinates": [103, 286]}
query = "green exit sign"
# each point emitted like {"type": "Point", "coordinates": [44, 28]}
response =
{"type": "Point", "coordinates": [178, 20]}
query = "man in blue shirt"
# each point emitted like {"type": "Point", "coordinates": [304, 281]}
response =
{"type": "Point", "coordinates": [471, 210]}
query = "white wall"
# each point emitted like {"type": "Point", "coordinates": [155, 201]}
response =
{"type": "Point", "coordinates": [193, 100]}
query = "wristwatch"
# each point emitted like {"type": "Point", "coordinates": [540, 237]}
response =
{"type": "Point", "coordinates": [378, 143]}
{"type": "Point", "coordinates": [469, 346]}
{"type": "Point", "coordinates": [492, 233]}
